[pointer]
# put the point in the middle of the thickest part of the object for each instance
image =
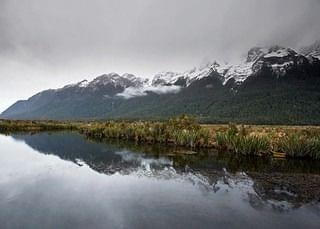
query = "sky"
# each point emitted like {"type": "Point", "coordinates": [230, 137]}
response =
{"type": "Point", "coordinates": [50, 43]}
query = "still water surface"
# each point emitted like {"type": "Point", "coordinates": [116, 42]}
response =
{"type": "Point", "coordinates": [61, 180]}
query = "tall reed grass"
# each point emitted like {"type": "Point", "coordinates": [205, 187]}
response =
{"type": "Point", "coordinates": [300, 146]}
{"type": "Point", "coordinates": [185, 131]}
{"type": "Point", "coordinates": [182, 131]}
{"type": "Point", "coordinates": [239, 142]}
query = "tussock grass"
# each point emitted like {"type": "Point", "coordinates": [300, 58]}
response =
{"type": "Point", "coordinates": [295, 142]}
{"type": "Point", "coordinates": [181, 131]}
{"type": "Point", "coordinates": [300, 146]}
{"type": "Point", "coordinates": [239, 142]}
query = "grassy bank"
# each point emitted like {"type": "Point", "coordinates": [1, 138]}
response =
{"type": "Point", "coordinates": [276, 141]}
{"type": "Point", "coordinates": [181, 131]}
{"type": "Point", "coordinates": [8, 126]}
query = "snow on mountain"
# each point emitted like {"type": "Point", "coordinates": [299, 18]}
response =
{"type": "Point", "coordinates": [315, 54]}
{"type": "Point", "coordinates": [126, 80]}
{"type": "Point", "coordinates": [168, 82]}
{"type": "Point", "coordinates": [172, 78]}
{"type": "Point", "coordinates": [255, 53]}
{"type": "Point", "coordinates": [239, 72]}
{"type": "Point", "coordinates": [278, 53]}
{"type": "Point", "coordinates": [114, 79]}
{"type": "Point", "coordinates": [165, 78]}
{"type": "Point", "coordinates": [201, 72]}
{"type": "Point", "coordinates": [312, 50]}
{"type": "Point", "coordinates": [281, 69]}
{"type": "Point", "coordinates": [278, 59]}
{"type": "Point", "coordinates": [83, 83]}
{"type": "Point", "coordinates": [132, 86]}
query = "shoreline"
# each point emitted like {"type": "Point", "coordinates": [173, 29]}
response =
{"type": "Point", "coordinates": [253, 140]}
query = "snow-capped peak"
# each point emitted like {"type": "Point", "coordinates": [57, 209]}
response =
{"type": "Point", "coordinates": [106, 79]}
{"type": "Point", "coordinates": [114, 79]}
{"type": "Point", "coordinates": [200, 72]}
{"type": "Point", "coordinates": [279, 52]}
{"type": "Point", "coordinates": [275, 58]}
{"type": "Point", "coordinates": [83, 83]}
{"type": "Point", "coordinates": [172, 78]}
{"type": "Point", "coordinates": [278, 59]}
{"type": "Point", "coordinates": [312, 50]}
{"type": "Point", "coordinates": [126, 80]}
{"type": "Point", "coordinates": [166, 78]}
{"type": "Point", "coordinates": [255, 53]}
{"type": "Point", "coordinates": [239, 72]}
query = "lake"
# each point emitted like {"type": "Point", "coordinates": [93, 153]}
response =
{"type": "Point", "coordinates": [62, 180]}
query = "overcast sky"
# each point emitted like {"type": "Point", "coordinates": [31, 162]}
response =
{"type": "Point", "coordinates": [49, 43]}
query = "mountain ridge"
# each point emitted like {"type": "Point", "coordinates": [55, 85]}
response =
{"type": "Point", "coordinates": [196, 91]}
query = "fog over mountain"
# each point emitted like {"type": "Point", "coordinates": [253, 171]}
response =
{"type": "Point", "coordinates": [48, 44]}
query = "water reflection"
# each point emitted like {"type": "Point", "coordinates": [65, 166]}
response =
{"type": "Point", "coordinates": [283, 180]}
{"type": "Point", "coordinates": [123, 185]}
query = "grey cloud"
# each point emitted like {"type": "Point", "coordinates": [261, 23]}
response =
{"type": "Point", "coordinates": [45, 43]}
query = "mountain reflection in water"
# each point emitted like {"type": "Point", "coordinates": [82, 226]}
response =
{"type": "Point", "coordinates": [242, 187]}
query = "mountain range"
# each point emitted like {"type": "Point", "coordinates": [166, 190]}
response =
{"type": "Point", "coordinates": [274, 85]}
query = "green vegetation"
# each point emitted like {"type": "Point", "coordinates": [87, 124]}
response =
{"type": "Point", "coordinates": [300, 146]}
{"type": "Point", "coordinates": [185, 131]}
{"type": "Point", "coordinates": [241, 143]}
{"type": "Point", "coordinates": [8, 126]}
{"type": "Point", "coordinates": [295, 142]}
{"type": "Point", "coordinates": [182, 131]}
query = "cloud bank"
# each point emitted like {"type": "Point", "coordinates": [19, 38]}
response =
{"type": "Point", "coordinates": [132, 92]}
{"type": "Point", "coordinates": [48, 44]}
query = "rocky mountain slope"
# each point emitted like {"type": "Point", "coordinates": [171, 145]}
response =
{"type": "Point", "coordinates": [271, 85]}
